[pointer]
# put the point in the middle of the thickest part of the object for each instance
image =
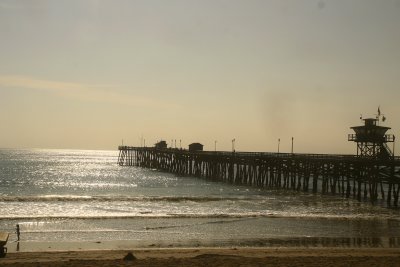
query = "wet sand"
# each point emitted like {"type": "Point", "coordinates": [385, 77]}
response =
{"type": "Point", "coordinates": [209, 257]}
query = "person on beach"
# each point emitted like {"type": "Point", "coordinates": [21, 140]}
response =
{"type": "Point", "coordinates": [18, 232]}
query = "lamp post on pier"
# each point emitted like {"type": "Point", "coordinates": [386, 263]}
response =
{"type": "Point", "coordinates": [279, 142]}
{"type": "Point", "coordinates": [292, 145]}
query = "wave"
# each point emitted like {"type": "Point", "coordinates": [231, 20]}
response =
{"type": "Point", "coordinates": [250, 215]}
{"type": "Point", "coordinates": [71, 198]}
{"type": "Point", "coordinates": [139, 216]}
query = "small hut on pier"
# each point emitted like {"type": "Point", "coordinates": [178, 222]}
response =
{"type": "Point", "coordinates": [161, 145]}
{"type": "Point", "coordinates": [195, 147]}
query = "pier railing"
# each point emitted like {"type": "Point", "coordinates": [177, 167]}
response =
{"type": "Point", "coordinates": [254, 154]}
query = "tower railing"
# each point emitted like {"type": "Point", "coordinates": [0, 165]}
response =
{"type": "Point", "coordinates": [387, 138]}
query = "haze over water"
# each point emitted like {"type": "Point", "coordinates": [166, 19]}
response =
{"type": "Point", "coordinates": [86, 74]}
{"type": "Point", "coordinates": [83, 195]}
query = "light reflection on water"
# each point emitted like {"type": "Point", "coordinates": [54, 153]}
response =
{"type": "Point", "coordinates": [47, 187]}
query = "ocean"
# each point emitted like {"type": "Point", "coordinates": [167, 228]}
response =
{"type": "Point", "coordinates": [85, 197]}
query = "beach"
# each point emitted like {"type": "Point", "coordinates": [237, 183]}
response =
{"type": "Point", "coordinates": [209, 257]}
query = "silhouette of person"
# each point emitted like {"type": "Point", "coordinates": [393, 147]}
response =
{"type": "Point", "coordinates": [18, 232]}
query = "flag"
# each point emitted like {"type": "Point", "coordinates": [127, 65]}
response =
{"type": "Point", "coordinates": [383, 118]}
{"type": "Point", "coordinates": [379, 111]}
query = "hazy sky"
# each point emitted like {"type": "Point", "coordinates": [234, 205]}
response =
{"type": "Point", "coordinates": [87, 74]}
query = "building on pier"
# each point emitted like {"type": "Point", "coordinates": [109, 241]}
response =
{"type": "Point", "coordinates": [161, 145]}
{"type": "Point", "coordinates": [372, 139]}
{"type": "Point", "coordinates": [195, 147]}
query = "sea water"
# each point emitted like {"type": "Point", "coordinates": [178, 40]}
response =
{"type": "Point", "coordinates": [84, 196]}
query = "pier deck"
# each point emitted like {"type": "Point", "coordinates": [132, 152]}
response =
{"type": "Point", "coordinates": [345, 175]}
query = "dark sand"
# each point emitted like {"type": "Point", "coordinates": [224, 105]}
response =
{"type": "Point", "coordinates": [209, 257]}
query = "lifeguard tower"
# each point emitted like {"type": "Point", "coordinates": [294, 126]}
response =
{"type": "Point", "coordinates": [371, 139]}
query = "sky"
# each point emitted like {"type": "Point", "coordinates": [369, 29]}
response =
{"type": "Point", "coordinates": [86, 74]}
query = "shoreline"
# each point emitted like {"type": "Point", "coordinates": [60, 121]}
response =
{"type": "Point", "coordinates": [270, 243]}
{"type": "Point", "coordinates": [45, 235]}
{"type": "Point", "coordinates": [204, 256]}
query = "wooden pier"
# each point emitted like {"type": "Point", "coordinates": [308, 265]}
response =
{"type": "Point", "coordinates": [345, 175]}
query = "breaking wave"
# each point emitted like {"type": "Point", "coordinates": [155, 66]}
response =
{"type": "Point", "coordinates": [71, 198]}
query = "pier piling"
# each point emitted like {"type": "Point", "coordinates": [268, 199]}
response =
{"type": "Point", "coordinates": [345, 175]}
